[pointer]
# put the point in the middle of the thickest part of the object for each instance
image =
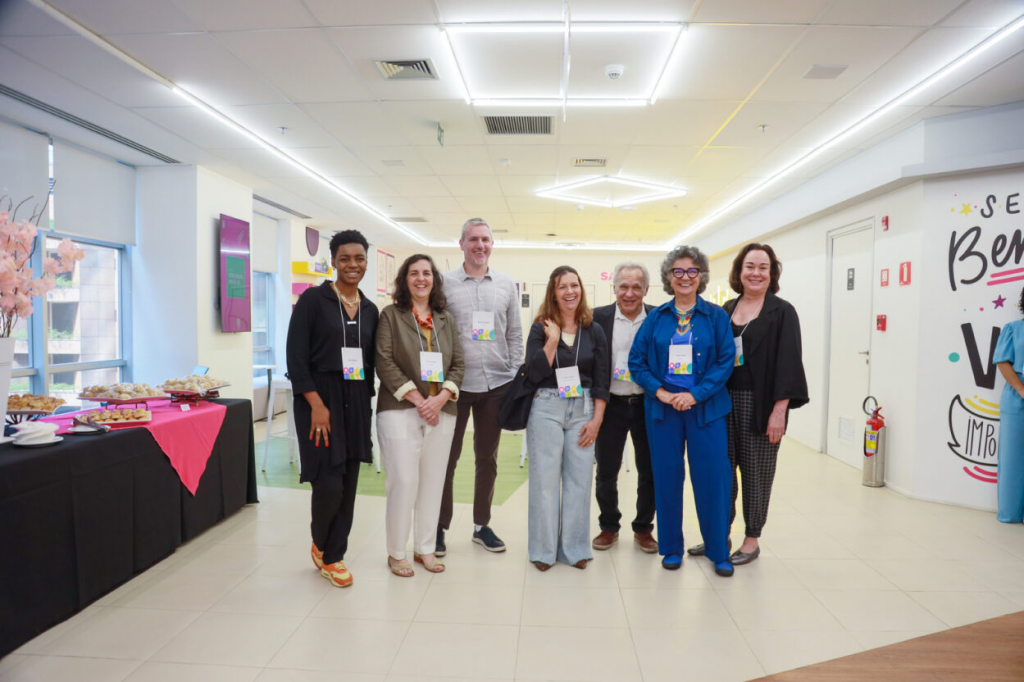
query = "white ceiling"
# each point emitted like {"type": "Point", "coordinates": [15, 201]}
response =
{"type": "Point", "coordinates": [307, 65]}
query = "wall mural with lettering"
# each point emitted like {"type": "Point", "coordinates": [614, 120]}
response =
{"type": "Point", "coordinates": [975, 230]}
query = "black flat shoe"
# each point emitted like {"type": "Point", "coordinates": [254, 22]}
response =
{"type": "Point", "coordinates": [739, 558]}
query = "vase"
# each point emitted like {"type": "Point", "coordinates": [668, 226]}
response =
{"type": "Point", "coordinates": [6, 365]}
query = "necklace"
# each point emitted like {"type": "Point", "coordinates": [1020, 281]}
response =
{"type": "Point", "coordinates": [344, 299]}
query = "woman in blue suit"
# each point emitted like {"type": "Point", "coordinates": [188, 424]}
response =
{"type": "Point", "coordinates": [1009, 357]}
{"type": "Point", "coordinates": [682, 357]}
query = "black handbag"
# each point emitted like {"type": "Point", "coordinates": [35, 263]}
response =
{"type": "Point", "coordinates": [515, 411]}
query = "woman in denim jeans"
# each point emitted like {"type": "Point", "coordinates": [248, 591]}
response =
{"type": "Point", "coordinates": [567, 360]}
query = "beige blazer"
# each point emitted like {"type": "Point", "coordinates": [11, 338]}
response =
{"type": "Point", "coordinates": [398, 358]}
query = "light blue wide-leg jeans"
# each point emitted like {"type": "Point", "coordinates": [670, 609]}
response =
{"type": "Point", "coordinates": [561, 475]}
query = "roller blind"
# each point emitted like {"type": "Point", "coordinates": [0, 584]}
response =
{"type": "Point", "coordinates": [92, 196]}
{"type": "Point", "coordinates": [263, 243]}
{"type": "Point", "coordinates": [24, 170]}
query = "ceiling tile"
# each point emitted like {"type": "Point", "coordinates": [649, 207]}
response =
{"type": "Point", "coordinates": [782, 118]}
{"type": "Point", "coordinates": [197, 127]}
{"type": "Point", "coordinates": [374, 157]}
{"type": "Point", "coordinates": [635, 10]}
{"type": "Point", "coordinates": [363, 46]}
{"type": "Point", "coordinates": [985, 13]}
{"type": "Point", "coordinates": [828, 124]}
{"type": "Point", "coordinates": [433, 205]}
{"type": "Point", "coordinates": [483, 206]}
{"type": "Point", "coordinates": [244, 15]}
{"type": "Point", "coordinates": [585, 125]}
{"type": "Point", "coordinates": [331, 161]}
{"type": "Point", "coordinates": [510, 65]}
{"type": "Point", "coordinates": [889, 13]}
{"type": "Point", "coordinates": [863, 50]}
{"type": "Point", "coordinates": [418, 121]}
{"type": "Point", "coordinates": [366, 186]}
{"type": "Point", "coordinates": [758, 11]}
{"type": "Point", "coordinates": [265, 119]}
{"type": "Point", "coordinates": [418, 186]}
{"type": "Point", "coordinates": [380, 12]}
{"type": "Point", "coordinates": [457, 11]}
{"type": "Point", "coordinates": [526, 185]}
{"type": "Point", "coordinates": [473, 185]}
{"type": "Point", "coordinates": [724, 162]}
{"type": "Point", "coordinates": [200, 65]}
{"type": "Point", "coordinates": [724, 62]}
{"type": "Point", "coordinates": [357, 124]}
{"type": "Point", "coordinates": [652, 160]}
{"type": "Point", "coordinates": [76, 58]}
{"type": "Point", "coordinates": [303, 64]}
{"type": "Point", "coordinates": [1001, 85]}
{"type": "Point", "coordinates": [642, 54]}
{"type": "Point", "coordinates": [19, 18]}
{"type": "Point", "coordinates": [127, 16]}
{"type": "Point", "coordinates": [457, 160]}
{"type": "Point", "coordinates": [775, 161]}
{"type": "Point", "coordinates": [259, 161]}
{"type": "Point", "coordinates": [670, 123]}
{"type": "Point", "coordinates": [523, 159]}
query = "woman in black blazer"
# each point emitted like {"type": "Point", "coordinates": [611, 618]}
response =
{"type": "Point", "coordinates": [766, 383]}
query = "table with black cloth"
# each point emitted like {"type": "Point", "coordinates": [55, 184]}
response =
{"type": "Point", "coordinates": [80, 518]}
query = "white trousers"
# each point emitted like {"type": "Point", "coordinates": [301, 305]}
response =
{"type": "Point", "coordinates": [415, 459]}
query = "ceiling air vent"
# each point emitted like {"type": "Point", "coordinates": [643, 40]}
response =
{"type": "Point", "coordinates": [589, 163]}
{"type": "Point", "coordinates": [281, 207]}
{"type": "Point", "coordinates": [518, 125]}
{"type": "Point", "coordinates": [406, 69]}
{"type": "Point", "coordinates": [392, 162]}
{"type": "Point", "coordinates": [410, 220]}
{"type": "Point", "coordinates": [824, 73]}
{"type": "Point", "coordinates": [82, 123]}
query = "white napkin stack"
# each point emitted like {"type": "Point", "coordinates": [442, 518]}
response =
{"type": "Point", "coordinates": [34, 433]}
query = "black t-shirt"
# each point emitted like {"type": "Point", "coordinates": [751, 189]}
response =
{"type": "Point", "coordinates": [742, 379]}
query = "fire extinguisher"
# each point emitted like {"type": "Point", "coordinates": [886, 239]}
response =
{"type": "Point", "coordinates": [874, 445]}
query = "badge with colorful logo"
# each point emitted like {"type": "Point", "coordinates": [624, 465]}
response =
{"type": "Point", "coordinates": [483, 326]}
{"type": "Point", "coordinates": [621, 369]}
{"type": "Point", "coordinates": [569, 383]}
{"type": "Point", "coordinates": [431, 367]}
{"type": "Point", "coordinates": [739, 351]}
{"type": "Point", "coordinates": [352, 364]}
{"type": "Point", "coordinates": [680, 359]}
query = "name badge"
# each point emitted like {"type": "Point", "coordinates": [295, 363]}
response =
{"type": "Point", "coordinates": [569, 383]}
{"type": "Point", "coordinates": [680, 359]}
{"type": "Point", "coordinates": [739, 351]}
{"type": "Point", "coordinates": [352, 364]}
{"type": "Point", "coordinates": [483, 326]}
{"type": "Point", "coordinates": [431, 367]}
{"type": "Point", "coordinates": [621, 369]}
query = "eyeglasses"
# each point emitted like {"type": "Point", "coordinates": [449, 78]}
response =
{"type": "Point", "coordinates": [692, 273]}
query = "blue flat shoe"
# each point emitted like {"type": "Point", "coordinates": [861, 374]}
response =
{"type": "Point", "coordinates": [724, 569]}
{"type": "Point", "coordinates": [672, 561]}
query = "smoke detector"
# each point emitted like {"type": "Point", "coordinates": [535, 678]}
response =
{"type": "Point", "coordinates": [614, 71]}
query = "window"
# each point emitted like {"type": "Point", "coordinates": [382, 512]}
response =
{"type": "Point", "coordinates": [262, 321]}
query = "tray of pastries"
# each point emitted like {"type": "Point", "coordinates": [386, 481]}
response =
{"type": "Point", "coordinates": [122, 393]}
{"type": "Point", "coordinates": [196, 384]}
{"type": "Point", "coordinates": [32, 404]}
{"type": "Point", "coordinates": [118, 417]}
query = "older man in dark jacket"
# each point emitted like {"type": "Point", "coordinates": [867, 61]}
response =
{"type": "Point", "coordinates": [625, 413]}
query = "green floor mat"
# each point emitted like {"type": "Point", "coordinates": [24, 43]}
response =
{"type": "Point", "coordinates": [282, 474]}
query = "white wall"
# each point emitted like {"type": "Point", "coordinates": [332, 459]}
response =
{"type": "Point", "coordinates": [164, 272]}
{"type": "Point", "coordinates": [229, 356]}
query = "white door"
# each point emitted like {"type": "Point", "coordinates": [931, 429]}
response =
{"type": "Point", "coordinates": [849, 343]}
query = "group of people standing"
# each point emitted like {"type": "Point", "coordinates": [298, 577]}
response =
{"type": "Point", "coordinates": [686, 377]}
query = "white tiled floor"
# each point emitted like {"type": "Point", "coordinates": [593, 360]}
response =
{"type": "Point", "coordinates": [843, 568]}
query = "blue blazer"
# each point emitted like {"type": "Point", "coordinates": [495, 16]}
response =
{"type": "Point", "coordinates": [714, 354]}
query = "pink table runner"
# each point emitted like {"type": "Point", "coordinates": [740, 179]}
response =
{"type": "Point", "coordinates": [186, 438]}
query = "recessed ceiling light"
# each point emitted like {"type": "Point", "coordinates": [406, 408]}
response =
{"type": "Point", "coordinates": [570, 192]}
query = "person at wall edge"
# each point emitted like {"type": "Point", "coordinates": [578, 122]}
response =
{"type": "Point", "coordinates": [1009, 357]}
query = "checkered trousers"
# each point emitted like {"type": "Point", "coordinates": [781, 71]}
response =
{"type": "Point", "coordinates": [756, 457]}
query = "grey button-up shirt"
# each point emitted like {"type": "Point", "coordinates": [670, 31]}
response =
{"type": "Point", "coordinates": [489, 364]}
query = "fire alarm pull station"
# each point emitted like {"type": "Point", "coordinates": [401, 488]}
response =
{"type": "Point", "coordinates": [880, 323]}
{"type": "Point", "coordinates": [885, 277]}
{"type": "Point", "coordinates": [885, 223]}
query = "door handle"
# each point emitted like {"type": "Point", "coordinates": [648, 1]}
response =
{"type": "Point", "coordinates": [863, 352]}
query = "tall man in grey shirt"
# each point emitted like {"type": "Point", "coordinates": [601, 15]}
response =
{"type": "Point", "coordinates": [486, 308]}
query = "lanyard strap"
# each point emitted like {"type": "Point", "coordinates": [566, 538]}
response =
{"type": "Point", "coordinates": [758, 312]}
{"type": "Point", "coordinates": [419, 335]}
{"type": "Point", "coordinates": [576, 342]}
{"type": "Point", "coordinates": [344, 320]}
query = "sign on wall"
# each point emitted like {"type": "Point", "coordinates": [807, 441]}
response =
{"type": "Point", "coordinates": [974, 255]}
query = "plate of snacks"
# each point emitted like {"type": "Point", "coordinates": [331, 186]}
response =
{"type": "Point", "coordinates": [119, 417]}
{"type": "Point", "coordinates": [196, 384]}
{"type": "Point", "coordinates": [20, 407]}
{"type": "Point", "coordinates": [122, 393]}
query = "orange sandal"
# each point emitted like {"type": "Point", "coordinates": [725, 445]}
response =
{"type": "Point", "coordinates": [429, 562]}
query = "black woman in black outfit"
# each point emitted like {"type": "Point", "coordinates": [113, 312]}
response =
{"type": "Point", "coordinates": [331, 341]}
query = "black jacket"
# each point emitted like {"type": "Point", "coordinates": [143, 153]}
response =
{"type": "Point", "coordinates": [605, 317]}
{"type": "Point", "coordinates": [771, 348]}
{"type": "Point", "coordinates": [594, 363]}
{"type": "Point", "coordinates": [316, 333]}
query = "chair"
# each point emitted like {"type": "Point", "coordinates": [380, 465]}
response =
{"type": "Point", "coordinates": [286, 386]}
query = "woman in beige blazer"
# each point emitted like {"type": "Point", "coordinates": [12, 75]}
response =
{"type": "Point", "coordinates": [419, 362]}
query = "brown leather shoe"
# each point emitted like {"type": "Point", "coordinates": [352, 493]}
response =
{"type": "Point", "coordinates": [647, 542]}
{"type": "Point", "coordinates": [604, 540]}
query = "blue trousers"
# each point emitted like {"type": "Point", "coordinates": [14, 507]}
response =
{"type": "Point", "coordinates": [1010, 482]}
{"type": "Point", "coordinates": [707, 450]}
